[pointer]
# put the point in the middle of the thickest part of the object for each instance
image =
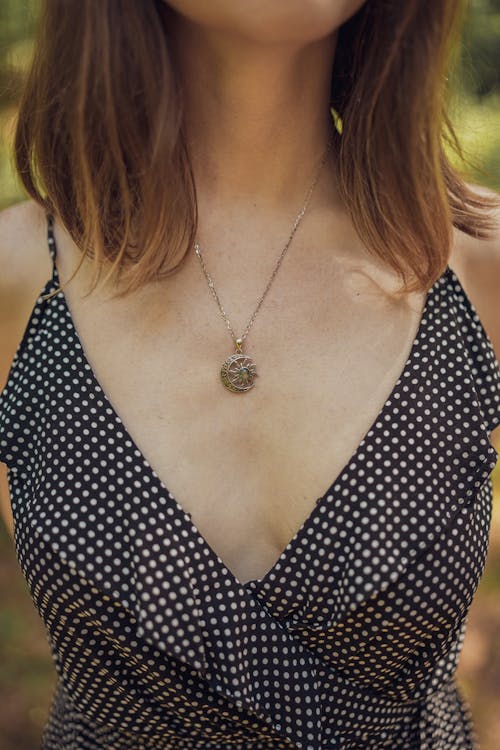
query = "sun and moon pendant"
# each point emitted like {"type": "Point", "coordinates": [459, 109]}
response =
{"type": "Point", "coordinates": [238, 372]}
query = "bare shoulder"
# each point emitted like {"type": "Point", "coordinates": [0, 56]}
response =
{"type": "Point", "coordinates": [476, 260]}
{"type": "Point", "coordinates": [23, 249]}
{"type": "Point", "coordinates": [26, 267]}
{"type": "Point", "coordinates": [470, 253]}
{"type": "Point", "coordinates": [477, 265]}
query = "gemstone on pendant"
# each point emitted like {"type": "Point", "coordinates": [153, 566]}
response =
{"type": "Point", "coordinates": [238, 373]}
{"type": "Point", "coordinates": [243, 374]}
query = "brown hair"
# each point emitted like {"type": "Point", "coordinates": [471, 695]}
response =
{"type": "Point", "coordinates": [92, 132]}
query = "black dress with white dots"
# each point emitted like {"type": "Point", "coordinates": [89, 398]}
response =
{"type": "Point", "coordinates": [350, 640]}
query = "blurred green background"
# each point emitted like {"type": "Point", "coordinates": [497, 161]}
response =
{"type": "Point", "coordinates": [26, 673]}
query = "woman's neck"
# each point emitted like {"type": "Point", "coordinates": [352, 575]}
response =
{"type": "Point", "coordinates": [257, 117]}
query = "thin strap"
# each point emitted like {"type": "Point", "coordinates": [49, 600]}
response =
{"type": "Point", "coordinates": [51, 240]}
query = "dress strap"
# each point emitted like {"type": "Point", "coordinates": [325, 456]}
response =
{"type": "Point", "coordinates": [51, 240]}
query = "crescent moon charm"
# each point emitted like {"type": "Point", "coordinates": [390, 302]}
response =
{"type": "Point", "coordinates": [238, 372]}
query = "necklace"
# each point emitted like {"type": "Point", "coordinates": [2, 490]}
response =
{"type": "Point", "coordinates": [238, 371]}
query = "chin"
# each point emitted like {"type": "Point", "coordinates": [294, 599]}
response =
{"type": "Point", "coordinates": [269, 21]}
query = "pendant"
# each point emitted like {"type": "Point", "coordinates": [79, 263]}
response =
{"type": "Point", "coordinates": [238, 371]}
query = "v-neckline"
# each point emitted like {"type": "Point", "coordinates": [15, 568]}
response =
{"type": "Point", "coordinates": [317, 507]}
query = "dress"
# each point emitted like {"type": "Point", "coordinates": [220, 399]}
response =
{"type": "Point", "coordinates": [349, 641]}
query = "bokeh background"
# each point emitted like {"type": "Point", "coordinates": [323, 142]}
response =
{"type": "Point", "coordinates": [27, 675]}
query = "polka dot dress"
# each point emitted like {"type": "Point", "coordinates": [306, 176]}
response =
{"type": "Point", "coordinates": [350, 641]}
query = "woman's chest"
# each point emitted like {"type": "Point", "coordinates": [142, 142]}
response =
{"type": "Point", "coordinates": [384, 566]}
{"type": "Point", "coordinates": [249, 467]}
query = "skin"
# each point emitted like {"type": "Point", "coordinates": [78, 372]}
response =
{"type": "Point", "coordinates": [249, 70]}
{"type": "Point", "coordinates": [329, 340]}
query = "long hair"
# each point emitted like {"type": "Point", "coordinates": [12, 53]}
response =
{"type": "Point", "coordinates": [99, 136]}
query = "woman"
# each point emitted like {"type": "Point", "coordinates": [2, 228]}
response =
{"type": "Point", "coordinates": [288, 157]}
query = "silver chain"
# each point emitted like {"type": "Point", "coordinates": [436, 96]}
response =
{"type": "Point", "coordinates": [297, 221]}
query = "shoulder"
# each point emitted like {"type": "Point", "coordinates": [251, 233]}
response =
{"type": "Point", "coordinates": [26, 267]}
{"type": "Point", "coordinates": [476, 263]}
{"type": "Point", "coordinates": [469, 253]}
{"type": "Point", "coordinates": [23, 248]}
